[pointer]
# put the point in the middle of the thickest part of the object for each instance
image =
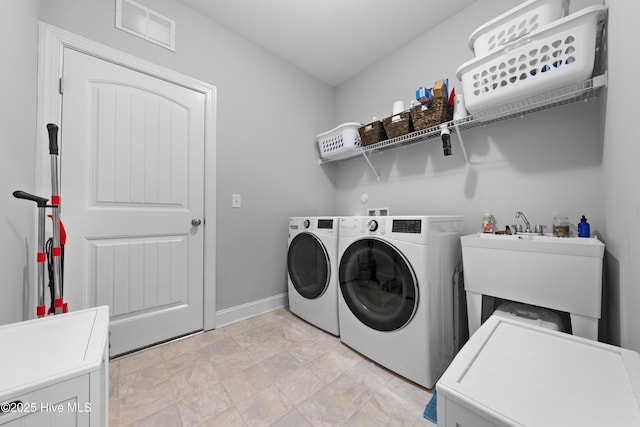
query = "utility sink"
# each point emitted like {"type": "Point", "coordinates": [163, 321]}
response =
{"type": "Point", "coordinates": [578, 246]}
{"type": "Point", "coordinates": [561, 273]}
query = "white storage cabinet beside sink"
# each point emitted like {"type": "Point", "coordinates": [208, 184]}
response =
{"type": "Point", "coordinates": [560, 273]}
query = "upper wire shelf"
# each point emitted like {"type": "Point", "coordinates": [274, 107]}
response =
{"type": "Point", "coordinates": [583, 91]}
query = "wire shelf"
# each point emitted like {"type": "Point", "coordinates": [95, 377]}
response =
{"type": "Point", "coordinates": [577, 92]}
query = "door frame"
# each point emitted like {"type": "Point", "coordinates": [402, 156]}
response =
{"type": "Point", "coordinates": [51, 43]}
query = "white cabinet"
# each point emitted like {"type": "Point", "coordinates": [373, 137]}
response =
{"type": "Point", "coordinates": [55, 370]}
{"type": "Point", "coordinates": [514, 374]}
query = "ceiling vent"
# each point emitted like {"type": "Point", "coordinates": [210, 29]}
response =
{"type": "Point", "coordinates": [145, 23]}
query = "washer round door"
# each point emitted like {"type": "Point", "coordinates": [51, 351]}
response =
{"type": "Point", "coordinates": [309, 265]}
{"type": "Point", "coordinates": [378, 284]}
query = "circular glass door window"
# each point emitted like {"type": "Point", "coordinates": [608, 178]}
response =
{"type": "Point", "coordinates": [308, 265]}
{"type": "Point", "coordinates": [378, 284]}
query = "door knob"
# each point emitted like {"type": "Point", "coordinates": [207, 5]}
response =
{"type": "Point", "coordinates": [196, 222]}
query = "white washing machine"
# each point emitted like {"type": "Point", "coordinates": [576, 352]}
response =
{"type": "Point", "coordinates": [312, 263]}
{"type": "Point", "coordinates": [396, 280]}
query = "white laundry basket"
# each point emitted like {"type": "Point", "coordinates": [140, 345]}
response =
{"type": "Point", "coordinates": [530, 314]}
{"type": "Point", "coordinates": [515, 23]}
{"type": "Point", "coordinates": [339, 141]}
{"type": "Point", "coordinates": [557, 55]}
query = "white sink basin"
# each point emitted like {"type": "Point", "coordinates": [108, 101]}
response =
{"type": "Point", "coordinates": [562, 273]}
{"type": "Point", "coordinates": [579, 246]}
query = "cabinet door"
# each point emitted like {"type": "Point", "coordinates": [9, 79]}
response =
{"type": "Point", "coordinates": [63, 404]}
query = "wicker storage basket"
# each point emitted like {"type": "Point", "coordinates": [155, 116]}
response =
{"type": "Point", "coordinates": [398, 124]}
{"type": "Point", "coordinates": [372, 133]}
{"type": "Point", "coordinates": [439, 111]}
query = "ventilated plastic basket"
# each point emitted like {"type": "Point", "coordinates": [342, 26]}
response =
{"type": "Point", "coordinates": [339, 141]}
{"type": "Point", "coordinates": [516, 23]}
{"type": "Point", "coordinates": [557, 55]}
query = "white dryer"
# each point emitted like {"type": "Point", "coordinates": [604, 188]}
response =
{"type": "Point", "coordinates": [396, 279]}
{"type": "Point", "coordinates": [312, 262]}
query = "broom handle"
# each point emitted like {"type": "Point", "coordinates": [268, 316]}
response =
{"type": "Point", "coordinates": [55, 208]}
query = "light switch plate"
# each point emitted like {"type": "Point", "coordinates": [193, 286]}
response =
{"type": "Point", "coordinates": [236, 200]}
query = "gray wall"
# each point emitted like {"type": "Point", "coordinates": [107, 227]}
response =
{"type": "Point", "coordinates": [543, 164]}
{"type": "Point", "coordinates": [265, 139]}
{"type": "Point", "coordinates": [558, 161]}
{"type": "Point", "coordinates": [622, 174]}
{"type": "Point", "coordinates": [18, 79]}
{"type": "Point", "coordinates": [565, 160]}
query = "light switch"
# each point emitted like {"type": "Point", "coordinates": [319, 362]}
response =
{"type": "Point", "coordinates": [236, 200]}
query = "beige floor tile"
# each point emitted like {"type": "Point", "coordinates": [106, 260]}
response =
{"type": "Point", "coordinates": [334, 362]}
{"type": "Point", "coordinates": [406, 412]}
{"type": "Point", "coordinates": [114, 402]}
{"type": "Point", "coordinates": [198, 376]}
{"type": "Point", "coordinates": [166, 417]}
{"type": "Point", "coordinates": [245, 384]}
{"type": "Point", "coordinates": [229, 418]}
{"type": "Point", "coordinates": [210, 337]}
{"type": "Point", "coordinates": [409, 392]}
{"type": "Point", "coordinates": [231, 364]}
{"type": "Point", "coordinates": [423, 422]}
{"type": "Point", "coordinates": [305, 350]}
{"type": "Point", "coordinates": [224, 347]}
{"type": "Point", "coordinates": [273, 369]}
{"type": "Point", "coordinates": [326, 408]}
{"type": "Point", "coordinates": [353, 387]}
{"type": "Point", "coordinates": [300, 385]}
{"type": "Point", "coordinates": [280, 365]}
{"type": "Point", "coordinates": [292, 419]}
{"type": "Point", "coordinates": [243, 325]}
{"type": "Point", "coordinates": [201, 405]}
{"type": "Point", "coordinates": [252, 336]}
{"type": "Point", "coordinates": [262, 350]}
{"type": "Point", "coordinates": [266, 407]}
{"type": "Point", "coordinates": [382, 374]}
{"type": "Point", "coordinates": [139, 360]}
{"type": "Point", "coordinates": [142, 380]}
{"type": "Point", "coordinates": [180, 347]}
{"type": "Point", "coordinates": [372, 415]}
{"type": "Point", "coordinates": [137, 406]}
{"type": "Point", "coordinates": [186, 360]}
{"type": "Point", "coordinates": [114, 367]}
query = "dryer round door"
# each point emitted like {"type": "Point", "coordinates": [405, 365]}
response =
{"type": "Point", "coordinates": [378, 284]}
{"type": "Point", "coordinates": [309, 265]}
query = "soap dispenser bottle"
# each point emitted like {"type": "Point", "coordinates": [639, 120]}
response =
{"type": "Point", "coordinates": [584, 229]}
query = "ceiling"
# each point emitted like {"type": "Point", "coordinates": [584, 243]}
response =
{"type": "Point", "coordinates": [332, 40]}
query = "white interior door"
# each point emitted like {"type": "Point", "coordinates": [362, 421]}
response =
{"type": "Point", "coordinates": [132, 187]}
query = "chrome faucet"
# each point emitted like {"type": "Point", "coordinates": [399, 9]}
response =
{"type": "Point", "coordinates": [526, 222]}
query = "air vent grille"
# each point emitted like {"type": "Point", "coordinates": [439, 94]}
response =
{"type": "Point", "coordinates": [141, 21]}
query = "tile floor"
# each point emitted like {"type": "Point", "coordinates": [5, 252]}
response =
{"type": "Point", "coordinates": [269, 370]}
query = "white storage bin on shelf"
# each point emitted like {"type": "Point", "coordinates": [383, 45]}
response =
{"type": "Point", "coordinates": [515, 23]}
{"type": "Point", "coordinates": [557, 55]}
{"type": "Point", "coordinates": [339, 142]}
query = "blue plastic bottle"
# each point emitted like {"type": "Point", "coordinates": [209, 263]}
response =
{"type": "Point", "coordinates": [584, 229]}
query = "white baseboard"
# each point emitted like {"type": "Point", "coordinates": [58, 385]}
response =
{"type": "Point", "coordinates": [250, 309]}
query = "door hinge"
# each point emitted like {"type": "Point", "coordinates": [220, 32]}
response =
{"type": "Point", "coordinates": [61, 85]}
